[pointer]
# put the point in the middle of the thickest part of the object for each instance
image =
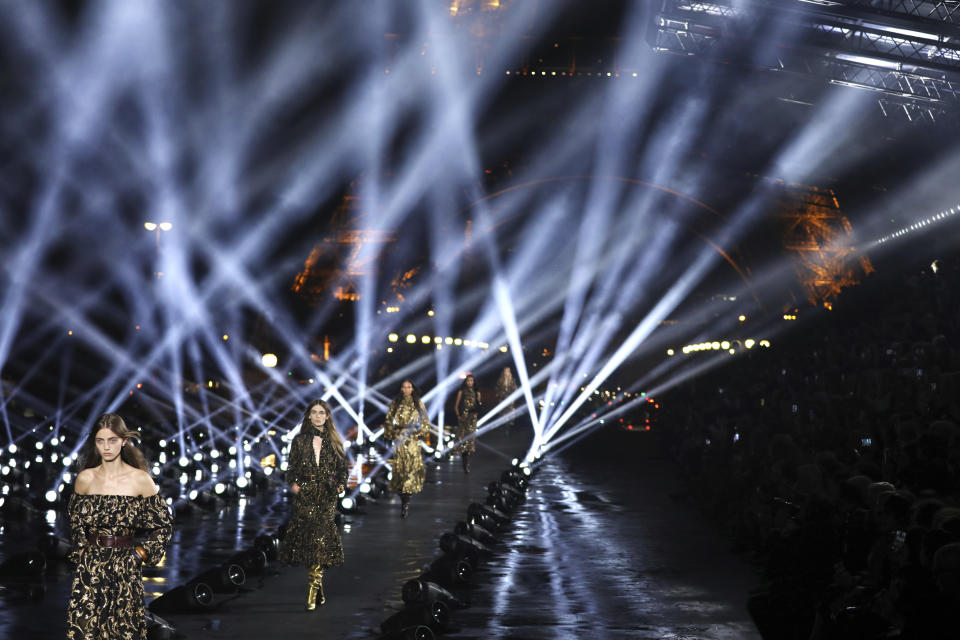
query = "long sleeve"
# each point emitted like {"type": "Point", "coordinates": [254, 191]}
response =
{"type": "Point", "coordinates": [78, 535]}
{"type": "Point", "coordinates": [389, 428]}
{"type": "Point", "coordinates": [156, 521]}
{"type": "Point", "coordinates": [342, 471]}
{"type": "Point", "coordinates": [424, 430]}
{"type": "Point", "coordinates": [296, 463]}
{"type": "Point", "coordinates": [336, 471]}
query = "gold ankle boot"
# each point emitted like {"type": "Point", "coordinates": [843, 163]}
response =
{"type": "Point", "coordinates": [311, 594]}
{"type": "Point", "coordinates": [318, 583]}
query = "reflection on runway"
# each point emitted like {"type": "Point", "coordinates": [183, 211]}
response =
{"type": "Point", "coordinates": [597, 549]}
{"type": "Point", "coordinates": [604, 553]}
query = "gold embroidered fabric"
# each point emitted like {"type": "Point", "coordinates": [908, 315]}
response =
{"type": "Point", "coordinates": [505, 387]}
{"type": "Point", "coordinates": [312, 537]}
{"type": "Point", "coordinates": [106, 598]}
{"type": "Point", "coordinates": [407, 423]}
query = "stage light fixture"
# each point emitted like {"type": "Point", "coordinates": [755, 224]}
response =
{"type": "Point", "coordinates": [194, 596]}
{"type": "Point", "coordinates": [476, 532]}
{"type": "Point", "coordinates": [476, 510]}
{"type": "Point", "coordinates": [347, 505]}
{"type": "Point", "coordinates": [223, 579]}
{"type": "Point", "coordinates": [435, 615]}
{"type": "Point", "coordinates": [253, 561]}
{"type": "Point", "coordinates": [30, 564]}
{"type": "Point", "coordinates": [420, 591]}
{"type": "Point", "coordinates": [416, 632]}
{"type": "Point", "coordinates": [268, 544]}
{"type": "Point", "coordinates": [465, 547]}
{"type": "Point", "coordinates": [158, 628]}
{"type": "Point", "coordinates": [449, 571]}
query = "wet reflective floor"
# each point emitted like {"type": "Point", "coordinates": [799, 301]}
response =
{"type": "Point", "coordinates": [598, 549]}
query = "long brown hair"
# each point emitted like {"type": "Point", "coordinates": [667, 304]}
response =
{"type": "Point", "coordinates": [333, 436]}
{"type": "Point", "coordinates": [89, 456]}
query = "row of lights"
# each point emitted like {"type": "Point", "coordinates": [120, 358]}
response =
{"type": "Point", "coordinates": [440, 341]}
{"type": "Point", "coordinates": [919, 225]}
{"type": "Point", "coordinates": [570, 74]}
{"type": "Point", "coordinates": [724, 345]}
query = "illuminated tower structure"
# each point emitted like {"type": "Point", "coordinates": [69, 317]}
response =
{"type": "Point", "coordinates": [344, 254]}
{"type": "Point", "coordinates": [820, 240]}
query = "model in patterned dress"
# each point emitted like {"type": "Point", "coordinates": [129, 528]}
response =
{"type": "Point", "coordinates": [114, 499]}
{"type": "Point", "coordinates": [317, 473]}
{"type": "Point", "coordinates": [468, 408]}
{"type": "Point", "coordinates": [407, 424]}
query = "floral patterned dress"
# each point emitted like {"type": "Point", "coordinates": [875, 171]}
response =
{"type": "Point", "coordinates": [467, 424]}
{"type": "Point", "coordinates": [106, 599]}
{"type": "Point", "coordinates": [407, 423]}
{"type": "Point", "coordinates": [312, 537]}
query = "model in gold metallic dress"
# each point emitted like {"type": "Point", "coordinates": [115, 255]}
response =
{"type": "Point", "coordinates": [407, 423]}
{"type": "Point", "coordinates": [467, 406]}
{"type": "Point", "coordinates": [317, 473]}
{"type": "Point", "coordinates": [114, 498]}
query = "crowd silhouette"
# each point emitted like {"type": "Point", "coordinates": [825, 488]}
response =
{"type": "Point", "coordinates": [833, 461]}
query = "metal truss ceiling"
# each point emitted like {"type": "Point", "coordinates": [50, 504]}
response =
{"type": "Point", "coordinates": [911, 59]}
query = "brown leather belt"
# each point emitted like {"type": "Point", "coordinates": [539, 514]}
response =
{"type": "Point", "coordinates": [111, 541]}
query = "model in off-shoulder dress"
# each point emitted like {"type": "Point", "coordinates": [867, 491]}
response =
{"type": "Point", "coordinates": [118, 523]}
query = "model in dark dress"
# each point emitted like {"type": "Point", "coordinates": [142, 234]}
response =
{"type": "Point", "coordinates": [312, 537]}
{"type": "Point", "coordinates": [106, 599]}
{"type": "Point", "coordinates": [468, 406]}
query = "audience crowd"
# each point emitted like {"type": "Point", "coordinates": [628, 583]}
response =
{"type": "Point", "coordinates": [833, 460]}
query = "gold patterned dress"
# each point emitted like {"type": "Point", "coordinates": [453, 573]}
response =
{"type": "Point", "coordinates": [506, 386]}
{"type": "Point", "coordinates": [467, 423]}
{"type": "Point", "coordinates": [106, 599]}
{"type": "Point", "coordinates": [407, 423]}
{"type": "Point", "coordinates": [312, 537]}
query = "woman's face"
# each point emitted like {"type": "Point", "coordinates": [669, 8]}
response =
{"type": "Point", "coordinates": [318, 415]}
{"type": "Point", "coordinates": [468, 381]}
{"type": "Point", "coordinates": [406, 389]}
{"type": "Point", "coordinates": [507, 373]}
{"type": "Point", "coordinates": [108, 444]}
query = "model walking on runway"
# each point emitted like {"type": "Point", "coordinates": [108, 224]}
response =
{"type": "Point", "coordinates": [317, 473]}
{"type": "Point", "coordinates": [407, 424]}
{"type": "Point", "coordinates": [506, 385]}
{"type": "Point", "coordinates": [467, 406]}
{"type": "Point", "coordinates": [114, 495]}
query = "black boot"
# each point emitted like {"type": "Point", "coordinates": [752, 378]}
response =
{"type": "Point", "coordinates": [466, 462]}
{"type": "Point", "coordinates": [404, 505]}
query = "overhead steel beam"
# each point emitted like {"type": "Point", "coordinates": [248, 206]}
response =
{"type": "Point", "coordinates": [916, 72]}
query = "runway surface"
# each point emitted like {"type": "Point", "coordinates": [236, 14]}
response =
{"type": "Point", "coordinates": [598, 549]}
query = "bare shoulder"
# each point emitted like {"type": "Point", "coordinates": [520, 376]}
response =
{"type": "Point", "coordinates": [84, 482]}
{"type": "Point", "coordinates": [145, 486]}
